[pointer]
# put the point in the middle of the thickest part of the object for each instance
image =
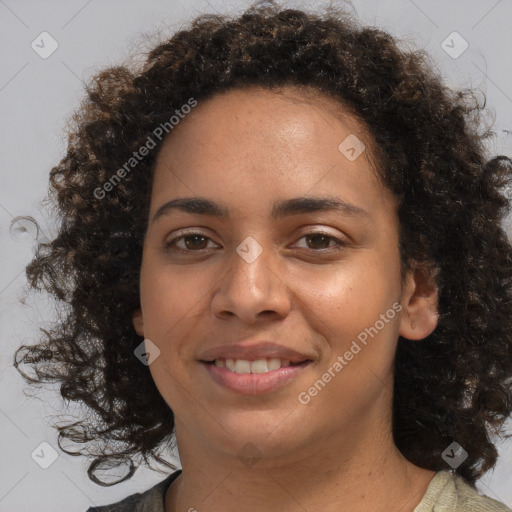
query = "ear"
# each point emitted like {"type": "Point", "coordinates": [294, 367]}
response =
{"type": "Point", "coordinates": [138, 322]}
{"type": "Point", "coordinates": [419, 301]}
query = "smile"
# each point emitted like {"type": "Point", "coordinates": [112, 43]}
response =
{"type": "Point", "coordinates": [253, 377]}
{"type": "Point", "coordinates": [246, 366]}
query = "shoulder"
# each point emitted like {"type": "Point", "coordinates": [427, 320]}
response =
{"type": "Point", "coordinates": [449, 492]}
{"type": "Point", "coordinates": [470, 500]}
{"type": "Point", "coordinates": [153, 499]}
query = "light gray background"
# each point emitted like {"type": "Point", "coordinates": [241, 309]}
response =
{"type": "Point", "coordinates": [37, 96]}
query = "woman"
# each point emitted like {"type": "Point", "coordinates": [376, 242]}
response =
{"type": "Point", "coordinates": [281, 246]}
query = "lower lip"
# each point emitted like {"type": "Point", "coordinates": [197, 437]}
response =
{"type": "Point", "coordinates": [254, 383]}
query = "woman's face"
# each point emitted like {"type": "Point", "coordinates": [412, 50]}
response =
{"type": "Point", "coordinates": [258, 274]}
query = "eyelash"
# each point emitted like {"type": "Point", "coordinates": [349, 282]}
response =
{"type": "Point", "coordinates": [171, 245]}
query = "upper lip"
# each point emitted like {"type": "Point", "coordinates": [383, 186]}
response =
{"type": "Point", "coordinates": [253, 350]}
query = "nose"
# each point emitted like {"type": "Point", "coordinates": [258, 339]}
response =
{"type": "Point", "coordinates": [252, 287]}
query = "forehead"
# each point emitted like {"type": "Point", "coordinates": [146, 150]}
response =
{"type": "Point", "coordinates": [282, 116]}
{"type": "Point", "coordinates": [285, 141]}
{"type": "Point", "coordinates": [273, 109]}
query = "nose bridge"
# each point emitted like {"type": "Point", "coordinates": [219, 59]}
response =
{"type": "Point", "coordinates": [252, 266]}
{"type": "Point", "coordinates": [252, 285]}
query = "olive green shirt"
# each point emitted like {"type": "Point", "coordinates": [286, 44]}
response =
{"type": "Point", "coordinates": [447, 492]}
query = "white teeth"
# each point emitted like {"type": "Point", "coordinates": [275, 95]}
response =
{"type": "Point", "coordinates": [242, 366]}
{"type": "Point", "coordinates": [274, 364]}
{"type": "Point", "coordinates": [258, 366]}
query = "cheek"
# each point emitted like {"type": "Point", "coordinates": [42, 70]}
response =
{"type": "Point", "coordinates": [356, 314]}
{"type": "Point", "coordinates": [172, 304]}
{"type": "Point", "coordinates": [169, 297]}
{"type": "Point", "coordinates": [347, 298]}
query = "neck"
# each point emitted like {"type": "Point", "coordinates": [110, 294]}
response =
{"type": "Point", "coordinates": [355, 475]}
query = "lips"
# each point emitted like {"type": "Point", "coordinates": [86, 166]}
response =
{"type": "Point", "coordinates": [254, 383]}
{"type": "Point", "coordinates": [254, 367]}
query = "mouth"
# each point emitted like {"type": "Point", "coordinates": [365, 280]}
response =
{"type": "Point", "coordinates": [246, 377]}
{"type": "Point", "coordinates": [257, 366]}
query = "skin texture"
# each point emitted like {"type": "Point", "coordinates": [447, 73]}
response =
{"type": "Point", "coordinates": [247, 149]}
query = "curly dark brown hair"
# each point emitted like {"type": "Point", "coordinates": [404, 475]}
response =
{"type": "Point", "coordinates": [455, 385]}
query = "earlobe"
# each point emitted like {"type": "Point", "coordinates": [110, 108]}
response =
{"type": "Point", "coordinates": [420, 300]}
{"type": "Point", "coordinates": [138, 322]}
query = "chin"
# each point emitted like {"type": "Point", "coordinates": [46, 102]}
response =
{"type": "Point", "coordinates": [260, 437]}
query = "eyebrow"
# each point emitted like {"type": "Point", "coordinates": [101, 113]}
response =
{"type": "Point", "coordinates": [280, 209]}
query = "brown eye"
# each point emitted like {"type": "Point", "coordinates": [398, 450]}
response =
{"type": "Point", "coordinates": [318, 239]}
{"type": "Point", "coordinates": [192, 242]}
{"type": "Point", "coordinates": [319, 242]}
{"type": "Point", "coordinates": [195, 241]}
